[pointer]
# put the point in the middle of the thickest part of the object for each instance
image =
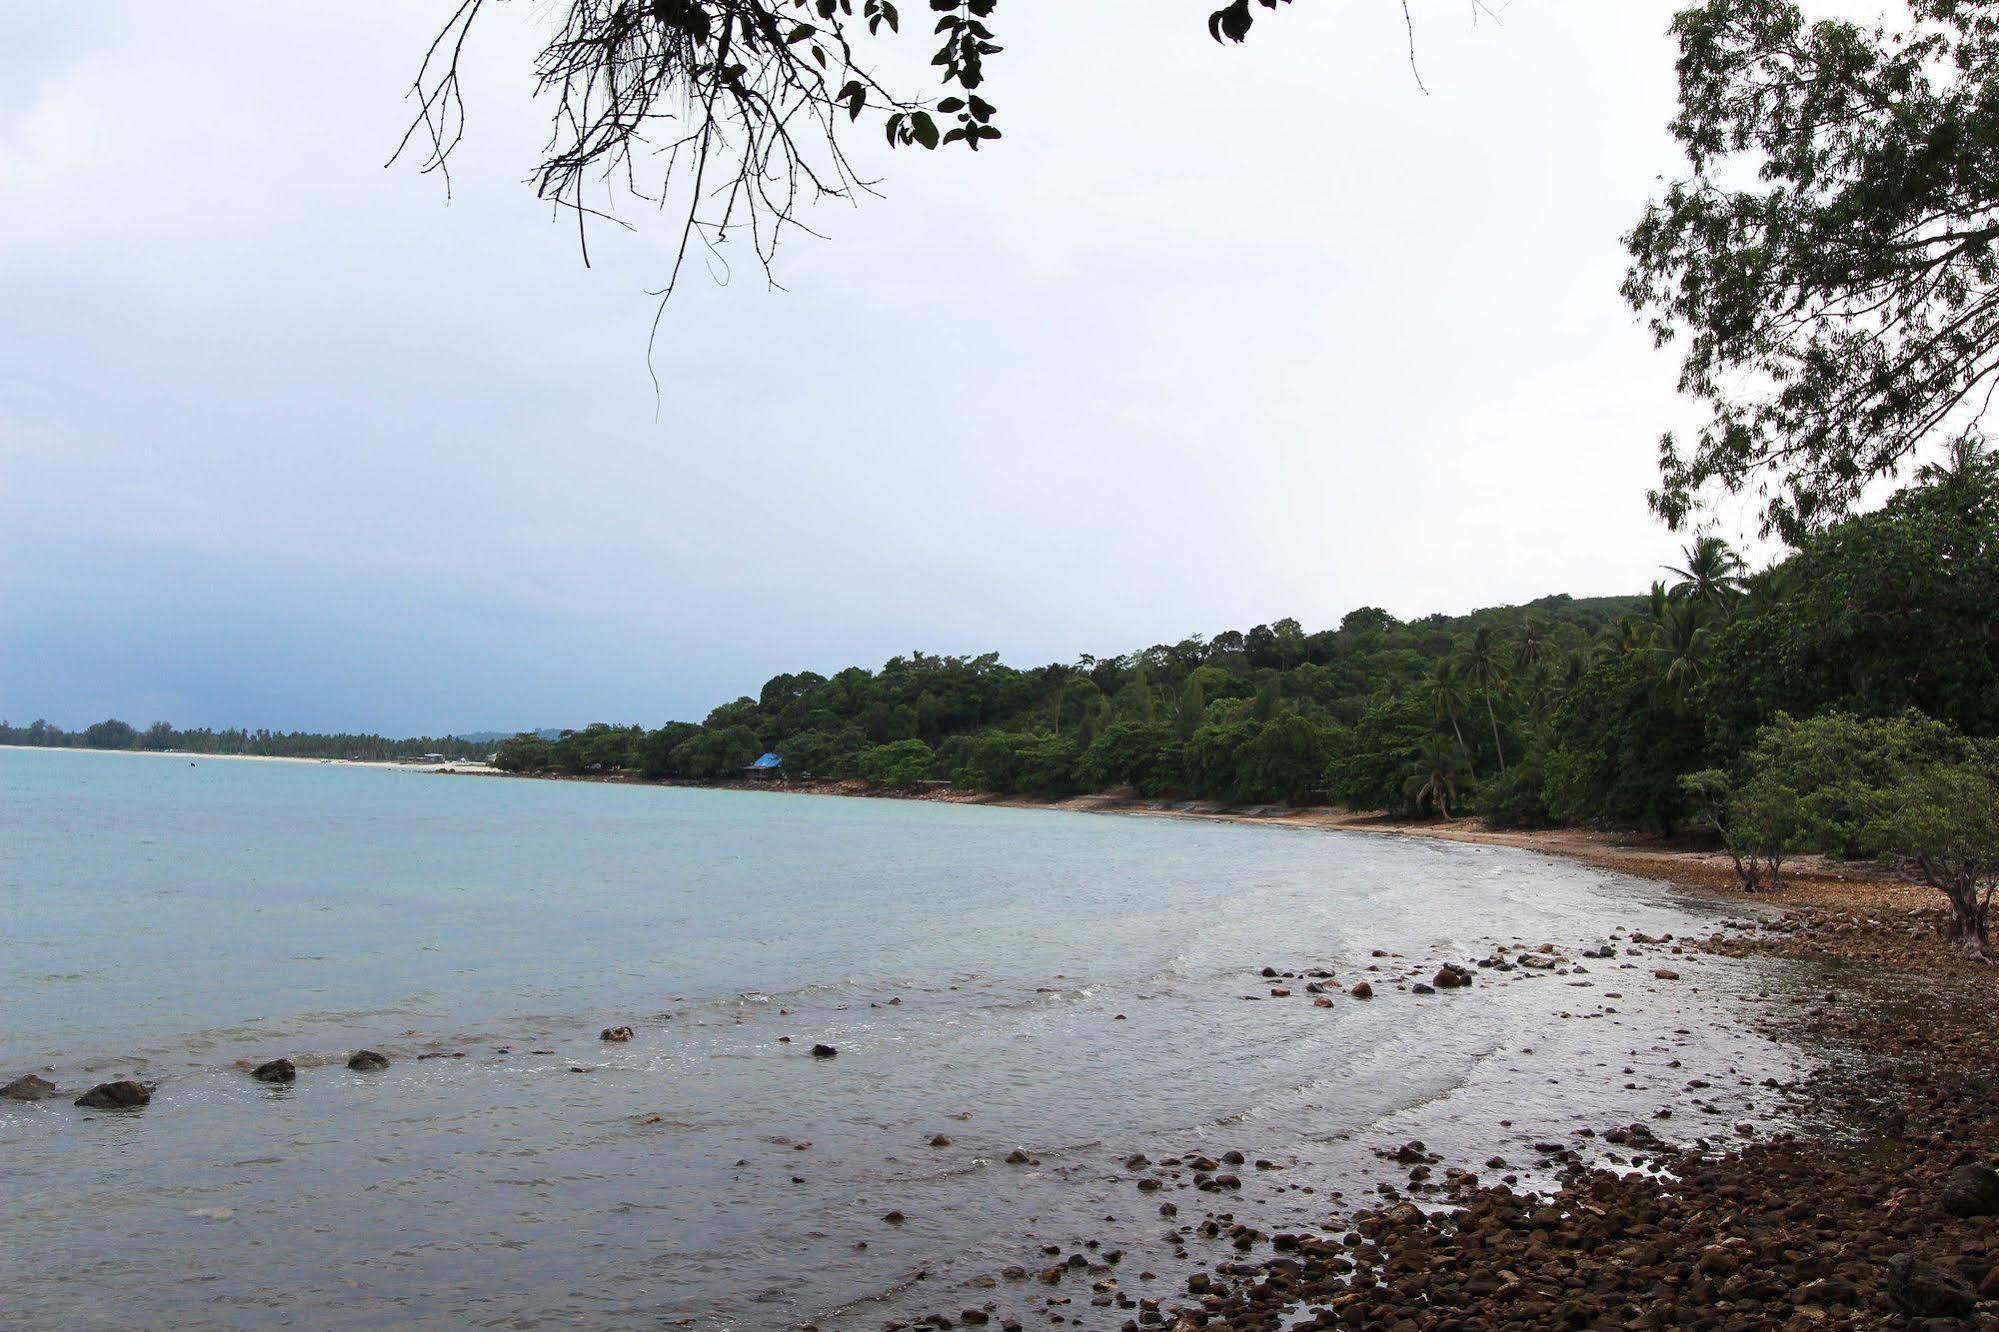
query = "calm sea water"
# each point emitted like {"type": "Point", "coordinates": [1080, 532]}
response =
{"type": "Point", "coordinates": [1072, 985]}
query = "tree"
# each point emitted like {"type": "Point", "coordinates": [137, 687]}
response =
{"type": "Point", "coordinates": [757, 99]}
{"type": "Point", "coordinates": [1712, 576]}
{"type": "Point", "coordinates": [1880, 613]}
{"type": "Point", "coordinates": [1485, 667]}
{"type": "Point", "coordinates": [898, 763]}
{"type": "Point", "coordinates": [1680, 641]}
{"type": "Point", "coordinates": [1449, 699]}
{"type": "Point", "coordinates": [1946, 819]}
{"type": "Point", "coordinates": [1841, 311]}
{"type": "Point", "coordinates": [1433, 777]}
{"type": "Point", "coordinates": [110, 734]}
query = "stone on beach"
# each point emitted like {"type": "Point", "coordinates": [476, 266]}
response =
{"type": "Point", "coordinates": [121, 1095]}
{"type": "Point", "coordinates": [276, 1070]}
{"type": "Point", "coordinates": [1362, 990]}
{"type": "Point", "coordinates": [364, 1060]}
{"type": "Point", "coordinates": [28, 1087]}
{"type": "Point", "coordinates": [1928, 1291]}
{"type": "Point", "coordinates": [1971, 1190]}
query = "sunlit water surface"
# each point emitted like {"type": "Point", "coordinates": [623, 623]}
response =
{"type": "Point", "coordinates": [1076, 986]}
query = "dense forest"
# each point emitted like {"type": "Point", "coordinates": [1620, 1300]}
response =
{"type": "Point", "coordinates": [1563, 710]}
{"type": "Point", "coordinates": [162, 737]}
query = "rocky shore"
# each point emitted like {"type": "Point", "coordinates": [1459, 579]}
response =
{"type": "Point", "coordinates": [1869, 1201]}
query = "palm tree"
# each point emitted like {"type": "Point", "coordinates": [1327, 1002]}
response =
{"type": "Point", "coordinates": [1534, 646]}
{"type": "Point", "coordinates": [1449, 697]}
{"type": "Point", "coordinates": [1762, 591]}
{"type": "Point", "coordinates": [1682, 645]}
{"type": "Point", "coordinates": [1485, 667]}
{"type": "Point", "coordinates": [1712, 575]}
{"type": "Point", "coordinates": [1433, 775]}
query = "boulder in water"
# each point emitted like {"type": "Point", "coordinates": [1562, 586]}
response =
{"type": "Point", "coordinates": [619, 1034]}
{"type": "Point", "coordinates": [121, 1095]}
{"type": "Point", "coordinates": [277, 1070]}
{"type": "Point", "coordinates": [28, 1087]}
{"type": "Point", "coordinates": [823, 1052]}
{"type": "Point", "coordinates": [365, 1060]}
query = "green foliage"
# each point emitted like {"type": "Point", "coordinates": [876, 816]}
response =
{"type": "Point", "coordinates": [713, 753]}
{"type": "Point", "coordinates": [112, 734]}
{"type": "Point", "coordinates": [898, 763]}
{"type": "Point", "coordinates": [161, 737]}
{"type": "Point", "coordinates": [1884, 612]}
{"type": "Point", "coordinates": [1519, 798]}
{"type": "Point", "coordinates": [1906, 787]}
{"type": "Point", "coordinates": [1147, 756]}
{"type": "Point", "coordinates": [1829, 264]}
{"type": "Point", "coordinates": [1618, 746]}
{"type": "Point", "coordinates": [832, 751]}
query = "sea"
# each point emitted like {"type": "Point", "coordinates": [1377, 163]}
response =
{"type": "Point", "coordinates": [1022, 1002]}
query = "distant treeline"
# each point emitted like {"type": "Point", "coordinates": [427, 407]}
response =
{"type": "Point", "coordinates": [1563, 710]}
{"type": "Point", "coordinates": [161, 736]}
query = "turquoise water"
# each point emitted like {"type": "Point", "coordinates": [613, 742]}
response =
{"type": "Point", "coordinates": [1069, 984]}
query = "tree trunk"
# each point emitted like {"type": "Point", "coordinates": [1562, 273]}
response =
{"type": "Point", "coordinates": [1493, 717]}
{"type": "Point", "coordinates": [1968, 938]}
{"type": "Point", "coordinates": [1470, 767]}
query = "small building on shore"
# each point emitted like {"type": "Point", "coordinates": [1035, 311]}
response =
{"type": "Point", "coordinates": [764, 768]}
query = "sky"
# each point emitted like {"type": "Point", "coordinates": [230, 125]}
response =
{"type": "Point", "coordinates": [1213, 336]}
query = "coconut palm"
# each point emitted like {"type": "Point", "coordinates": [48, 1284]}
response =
{"type": "Point", "coordinates": [1485, 668]}
{"type": "Point", "coordinates": [1433, 775]}
{"type": "Point", "coordinates": [1449, 698]}
{"type": "Point", "coordinates": [1682, 646]}
{"type": "Point", "coordinates": [1712, 575]}
{"type": "Point", "coordinates": [1534, 646]}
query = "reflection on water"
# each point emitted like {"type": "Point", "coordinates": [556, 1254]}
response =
{"type": "Point", "coordinates": [1073, 988]}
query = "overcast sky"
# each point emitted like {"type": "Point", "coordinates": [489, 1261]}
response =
{"type": "Point", "coordinates": [1214, 336]}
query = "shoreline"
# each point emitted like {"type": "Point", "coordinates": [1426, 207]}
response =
{"type": "Point", "coordinates": [465, 766]}
{"type": "Point", "coordinates": [1808, 881]}
{"type": "Point", "coordinates": [1870, 1205]}
{"type": "Point", "coordinates": [1848, 1210]}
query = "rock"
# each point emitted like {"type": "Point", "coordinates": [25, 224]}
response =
{"type": "Point", "coordinates": [121, 1095]}
{"type": "Point", "coordinates": [1971, 1190]}
{"type": "Point", "coordinates": [28, 1087]}
{"type": "Point", "coordinates": [1017, 1157]}
{"type": "Point", "coordinates": [894, 1218]}
{"type": "Point", "coordinates": [615, 1034]}
{"type": "Point", "coordinates": [1362, 990]}
{"type": "Point", "coordinates": [1269, 972]}
{"type": "Point", "coordinates": [277, 1070]}
{"type": "Point", "coordinates": [1420, 988]}
{"type": "Point", "coordinates": [1926, 1291]}
{"type": "Point", "coordinates": [1451, 977]}
{"type": "Point", "coordinates": [940, 1141]}
{"type": "Point", "coordinates": [363, 1060]}
{"type": "Point", "coordinates": [1664, 973]}
{"type": "Point", "coordinates": [1322, 1002]}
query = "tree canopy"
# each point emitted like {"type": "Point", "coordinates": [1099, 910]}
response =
{"type": "Point", "coordinates": [1828, 267]}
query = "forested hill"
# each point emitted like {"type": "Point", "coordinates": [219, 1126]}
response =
{"type": "Point", "coordinates": [1565, 709]}
{"type": "Point", "coordinates": [1246, 715]}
